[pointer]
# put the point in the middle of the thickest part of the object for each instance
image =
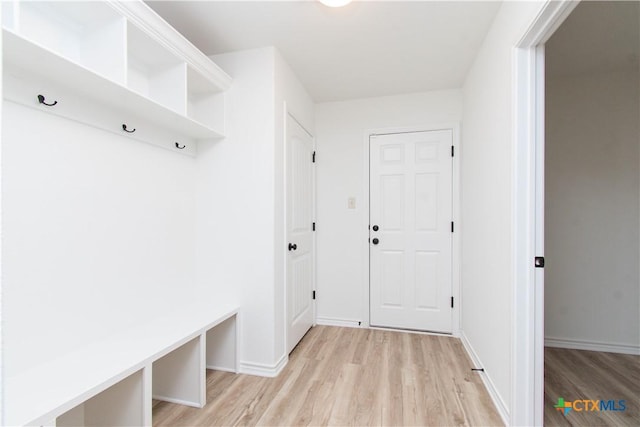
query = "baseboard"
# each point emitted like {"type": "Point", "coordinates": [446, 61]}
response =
{"type": "Point", "coordinates": [222, 368]}
{"type": "Point", "coordinates": [327, 321]}
{"type": "Point", "coordinates": [264, 370]}
{"type": "Point", "coordinates": [592, 345]}
{"type": "Point", "coordinates": [178, 401]}
{"type": "Point", "coordinates": [501, 407]}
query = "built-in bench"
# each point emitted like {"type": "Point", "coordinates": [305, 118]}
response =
{"type": "Point", "coordinates": [113, 381]}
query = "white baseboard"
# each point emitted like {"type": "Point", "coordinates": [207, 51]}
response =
{"type": "Point", "coordinates": [222, 368]}
{"type": "Point", "coordinates": [264, 370]}
{"type": "Point", "coordinates": [327, 321]}
{"type": "Point", "coordinates": [592, 345]}
{"type": "Point", "coordinates": [500, 405]}
{"type": "Point", "coordinates": [178, 401]}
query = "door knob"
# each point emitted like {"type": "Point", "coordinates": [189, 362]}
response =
{"type": "Point", "coordinates": [376, 228]}
{"type": "Point", "coordinates": [293, 246]}
{"type": "Point", "coordinates": [375, 241]}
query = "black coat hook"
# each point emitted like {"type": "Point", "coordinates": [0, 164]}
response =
{"type": "Point", "coordinates": [41, 101]}
{"type": "Point", "coordinates": [180, 147]}
{"type": "Point", "coordinates": [124, 128]}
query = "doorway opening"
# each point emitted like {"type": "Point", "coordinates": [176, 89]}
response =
{"type": "Point", "coordinates": [591, 214]}
{"type": "Point", "coordinates": [528, 374]}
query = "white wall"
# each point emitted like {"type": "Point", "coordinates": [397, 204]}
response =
{"type": "Point", "coordinates": [98, 233]}
{"type": "Point", "coordinates": [340, 130]}
{"type": "Point", "coordinates": [240, 243]}
{"type": "Point", "coordinates": [592, 286]}
{"type": "Point", "coordinates": [101, 231]}
{"type": "Point", "coordinates": [235, 192]}
{"type": "Point", "coordinates": [486, 197]}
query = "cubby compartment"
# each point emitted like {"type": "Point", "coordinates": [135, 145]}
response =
{"type": "Point", "coordinates": [122, 404]}
{"type": "Point", "coordinates": [154, 72]}
{"type": "Point", "coordinates": [178, 377]}
{"type": "Point", "coordinates": [90, 34]}
{"type": "Point", "coordinates": [221, 353]}
{"type": "Point", "coordinates": [205, 102]}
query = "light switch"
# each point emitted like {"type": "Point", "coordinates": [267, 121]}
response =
{"type": "Point", "coordinates": [351, 203]}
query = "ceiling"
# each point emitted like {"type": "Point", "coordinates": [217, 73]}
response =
{"type": "Point", "coordinates": [598, 36]}
{"type": "Point", "coordinates": [366, 49]}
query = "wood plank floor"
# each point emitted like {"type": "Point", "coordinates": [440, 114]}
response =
{"type": "Point", "coordinates": [348, 376]}
{"type": "Point", "coordinates": [578, 374]}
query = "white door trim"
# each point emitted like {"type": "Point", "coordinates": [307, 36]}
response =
{"type": "Point", "coordinates": [455, 256]}
{"type": "Point", "coordinates": [527, 314]}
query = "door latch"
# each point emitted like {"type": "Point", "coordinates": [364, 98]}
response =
{"type": "Point", "coordinates": [539, 262]}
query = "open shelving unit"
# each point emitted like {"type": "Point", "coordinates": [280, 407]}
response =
{"type": "Point", "coordinates": [119, 67]}
{"type": "Point", "coordinates": [109, 64]}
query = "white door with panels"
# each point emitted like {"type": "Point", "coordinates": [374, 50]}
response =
{"type": "Point", "coordinates": [299, 178]}
{"type": "Point", "coordinates": [410, 230]}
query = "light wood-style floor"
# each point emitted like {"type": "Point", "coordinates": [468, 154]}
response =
{"type": "Point", "coordinates": [347, 376]}
{"type": "Point", "coordinates": [578, 374]}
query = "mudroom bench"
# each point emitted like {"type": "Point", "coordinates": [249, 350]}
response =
{"type": "Point", "coordinates": [113, 381]}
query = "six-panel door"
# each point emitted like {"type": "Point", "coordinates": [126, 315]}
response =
{"type": "Point", "coordinates": [411, 208]}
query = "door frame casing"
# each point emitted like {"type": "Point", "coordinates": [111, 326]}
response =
{"type": "Point", "coordinates": [288, 115]}
{"type": "Point", "coordinates": [456, 242]}
{"type": "Point", "coordinates": [527, 222]}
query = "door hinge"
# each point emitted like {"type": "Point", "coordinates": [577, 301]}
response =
{"type": "Point", "coordinates": [313, 226]}
{"type": "Point", "coordinates": [452, 226]}
{"type": "Point", "coordinates": [452, 151]}
{"type": "Point", "coordinates": [313, 157]}
{"type": "Point", "coordinates": [313, 296]}
{"type": "Point", "coordinates": [539, 262]}
{"type": "Point", "coordinates": [451, 302]}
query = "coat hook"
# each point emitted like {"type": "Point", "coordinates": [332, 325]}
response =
{"type": "Point", "coordinates": [124, 128]}
{"type": "Point", "coordinates": [180, 147]}
{"type": "Point", "coordinates": [41, 101]}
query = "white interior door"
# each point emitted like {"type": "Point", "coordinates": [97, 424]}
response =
{"type": "Point", "coordinates": [299, 180]}
{"type": "Point", "coordinates": [411, 230]}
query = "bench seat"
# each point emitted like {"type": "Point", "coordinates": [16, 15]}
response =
{"type": "Point", "coordinates": [47, 391]}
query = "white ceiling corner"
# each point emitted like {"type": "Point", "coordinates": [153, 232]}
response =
{"type": "Point", "coordinates": [363, 50]}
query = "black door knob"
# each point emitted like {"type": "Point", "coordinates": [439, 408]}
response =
{"type": "Point", "coordinates": [375, 241]}
{"type": "Point", "coordinates": [376, 228]}
{"type": "Point", "coordinates": [293, 246]}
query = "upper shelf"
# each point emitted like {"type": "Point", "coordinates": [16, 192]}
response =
{"type": "Point", "coordinates": [121, 56]}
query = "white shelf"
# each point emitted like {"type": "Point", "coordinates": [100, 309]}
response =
{"type": "Point", "coordinates": [46, 73]}
{"type": "Point", "coordinates": [110, 63]}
